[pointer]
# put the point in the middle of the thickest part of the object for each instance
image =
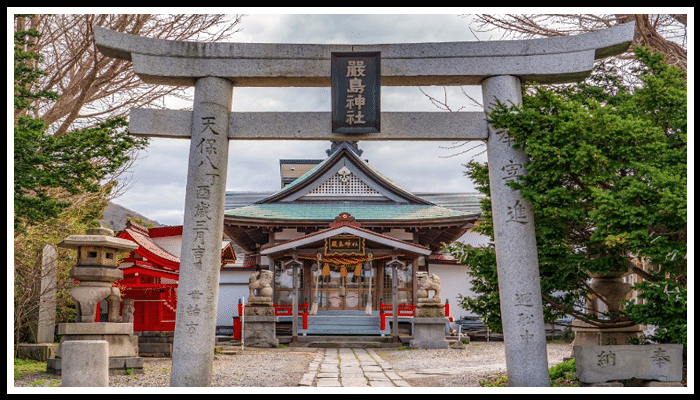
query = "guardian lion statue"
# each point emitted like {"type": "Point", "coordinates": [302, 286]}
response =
{"type": "Point", "coordinates": [261, 281]}
{"type": "Point", "coordinates": [427, 283]}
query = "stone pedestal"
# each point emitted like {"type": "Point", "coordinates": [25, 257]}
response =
{"type": "Point", "coordinates": [587, 335]}
{"type": "Point", "coordinates": [155, 343]}
{"type": "Point", "coordinates": [123, 350]}
{"type": "Point", "coordinates": [259, 306]}
{"type": "Point", "coordinates": [429, 333]}
{"type": "Point", "coordinates": [260, 323]}
{"type": "Point", "coordinates": [658, 362]}
{"type": "Point", "coordinates": [429, 308]}
{"type": "Point", "coordinates": [259, 331]}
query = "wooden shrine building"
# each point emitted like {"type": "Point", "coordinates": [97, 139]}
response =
{"type": "Point", "coordinates": [343, 222]}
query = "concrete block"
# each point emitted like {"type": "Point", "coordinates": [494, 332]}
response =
{"type": "Point", "coordinates": [38, 351]}
{"type": "Point", "coordinates": [429, 333]}
{"type": "Point", "coordinates": [659, 362]}
{"type": "Point", "coordinates": [85, 363]}
{"type": "Point", "coordinates": [166, 349]}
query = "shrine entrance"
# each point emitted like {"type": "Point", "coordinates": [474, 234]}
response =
{"type": "Point", "coordinates": [341, 289]}
{"type": "Point", "coordinates": [353, 289]}
{"type": "Point", "coordinates": [356, 281]}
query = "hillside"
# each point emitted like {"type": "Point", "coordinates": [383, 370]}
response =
{"type": "Point", "coordinates": [115, 217]}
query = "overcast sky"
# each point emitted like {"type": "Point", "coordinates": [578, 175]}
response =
{"type": "Point", "coordinates": [158, 179]}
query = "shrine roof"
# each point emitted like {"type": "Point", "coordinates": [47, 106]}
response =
{"type": "Point", "coordinates": [149, 269]}
{"type": "Point", "coordinates": [328, 211]}
{"type": "Point", "coordinates": [343, 151]}
{"type": "Point", "coordinates": [148, 248]}
{"type": "Point", "coordinates": [345, 224]}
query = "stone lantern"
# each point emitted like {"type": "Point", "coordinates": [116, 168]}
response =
{"type": "Point", "coordinates": [96, 270]}
{"type": "Point", "coordinates": [612, 287]}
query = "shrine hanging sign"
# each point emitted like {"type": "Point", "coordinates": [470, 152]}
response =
{"type": "Point", "coordinates": [346, 245]}
{"type": "Point", "coordinates": [355, 92]}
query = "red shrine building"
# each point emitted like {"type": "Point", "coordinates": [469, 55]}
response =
{"type": "Point", "coordinates": [151, 273]}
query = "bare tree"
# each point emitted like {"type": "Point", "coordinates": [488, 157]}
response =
{"type": "Point", "coordinates": [92, 87]}
{"type": "Point", "coordinates": [665, 33]}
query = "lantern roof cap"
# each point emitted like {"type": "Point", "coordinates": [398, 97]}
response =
{"type": "Point", "coordinates": [98, 237]}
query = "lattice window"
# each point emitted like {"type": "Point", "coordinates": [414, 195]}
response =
{"type": "Point", "coordinates": [344, 183]}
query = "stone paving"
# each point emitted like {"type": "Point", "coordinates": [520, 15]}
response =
{"type": "Point", "coordinates": [345, 367]}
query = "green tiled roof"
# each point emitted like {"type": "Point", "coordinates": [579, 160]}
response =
{"type": "Point", "coordinates": [328, 212]}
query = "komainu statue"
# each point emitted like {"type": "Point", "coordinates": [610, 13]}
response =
{"type": "Point", "coordinates": [261, 281]}
{"type": "Point", "coordinates": [427, 283]}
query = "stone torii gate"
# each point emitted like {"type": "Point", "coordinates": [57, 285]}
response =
{"type": "Point", "coordinates": [215, 68]}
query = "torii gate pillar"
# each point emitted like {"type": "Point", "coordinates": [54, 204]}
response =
{"type": "Point", "coordinates": [516, 249]}
{"type": "Point", "coordinates": [200, 255]}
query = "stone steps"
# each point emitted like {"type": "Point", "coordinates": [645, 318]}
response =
{"type": "Point", "coordinates": [343, 325]}
{"type": "Point", "coordinates": [345, 341]}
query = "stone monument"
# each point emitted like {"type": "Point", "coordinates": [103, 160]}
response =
{"type": "Point", "coordinates": [429, 321]}
{"type": "Point", "coordinates": [96, 270]}
{"type": "Point", "coordinates": [259, 319]}
{"type": "Point", "coordinates": [650, 365]}
{"type": "Point", "coordinates": [43, 346]}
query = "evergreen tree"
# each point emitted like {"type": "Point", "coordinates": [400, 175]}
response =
{"type": "Point", "coordinates": [607, 178]}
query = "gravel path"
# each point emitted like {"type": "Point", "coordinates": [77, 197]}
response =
{"type": "Point", "coordinates": [285, 367]}
{"type": "Point", "coordinates": [459, 368]}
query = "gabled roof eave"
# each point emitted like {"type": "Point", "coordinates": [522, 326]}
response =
{"type": "Point", "coordinates": [347, 229]}
{"type": "Point", "coordinates": [323, 167]}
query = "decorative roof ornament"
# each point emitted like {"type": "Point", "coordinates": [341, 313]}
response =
{"type": "Point", "coordinates": [345, 177]}
{"type": "Point", "coordinates": [344, 219]}
{"type": "Point", "coordinates": [350, 144]}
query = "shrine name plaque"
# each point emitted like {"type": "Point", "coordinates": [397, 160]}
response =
{"type": "Point", "coordinates": [355, 92]}
{"type": "Point", "coordinates": [344, 245]}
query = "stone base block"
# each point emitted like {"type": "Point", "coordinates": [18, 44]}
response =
{"type": "Point", "coordinates": [37, 351]}
{"type": "Point", "coordinates": [120, 337]}
{"type": "Point", "coordinates": [156, 349]}
{"type": "Point", "coordinates": [85, 363]}
{"type": "Point", "coordinates": [586, 335]}
{"type": "Point", "coordinates": [260, 309]}
{"type": "Point", "coordinates": [259, 331]}
{"type": "Point", "coordinates": [156, 336]}
{"type": "Point", "coordinates": [429, 308]}
{"type": "Point", "coordinates": [96, 328]}
{"type": "Point", "coordinates": [119, 345]}
{"type": "Point", "coordinates": [155, 343]}
{"type": "Point", "coordinates": [658, 362]}
{"type": "Point", "coordinates": [429, 333]}
{"type": "Point", "coordinates": [116, 365]}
